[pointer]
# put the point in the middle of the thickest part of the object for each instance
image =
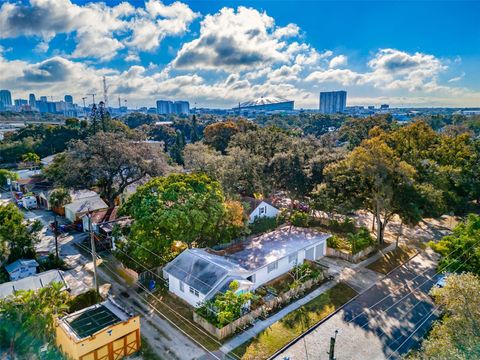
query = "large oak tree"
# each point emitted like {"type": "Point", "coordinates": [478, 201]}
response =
{"type": "Point", "coordinates": [108, 161]}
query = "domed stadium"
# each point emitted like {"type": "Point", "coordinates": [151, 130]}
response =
{"type": "Point", "coordinates": [266, 104]}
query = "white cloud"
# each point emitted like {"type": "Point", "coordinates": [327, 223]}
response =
{"type": "Point", "coordinates": [235, 40]}
{"type": "Point", "coordinates": [338, 61]}
{"type": "Point", "coordinates": [100, 30]}
{"type": "Point", "coordinates": [457, 78]}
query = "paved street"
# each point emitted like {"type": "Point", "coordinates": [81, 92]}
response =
{"type": "Point", "coordinates": [167, 342]}
{"type": "Point", "coordinates": [374, 329]}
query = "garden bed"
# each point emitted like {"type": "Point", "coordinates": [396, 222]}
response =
{"type": "Point", "coordinates": [264, 305]}
{"type": "Point", "coordinates": [294, 324]}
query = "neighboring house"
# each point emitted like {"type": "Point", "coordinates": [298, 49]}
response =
{"type": "Point", "coordinates": [197, 275]}
{"type": "Point", "coordinates": [83, 201]}
{"type": "Point", "coordinates": [34, 282]}
{"type": "Point", "coordinates": [103, 222]}
{"type": "Point", "coordinates": [21, 269]}
{"type": "Point", "coordinates": [259, 208]}
{"type": "Point", "coordinates": [102, 331]}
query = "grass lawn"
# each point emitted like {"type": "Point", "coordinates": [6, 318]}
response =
{"type": "Point", "coordinates": [392, 259]}
{"type": "Point", "coordinates": [295, 323]}
{"type": "Point", "coordinates": [178, 311]}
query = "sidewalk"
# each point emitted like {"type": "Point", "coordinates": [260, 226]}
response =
{"type": "Point", "coordinates": [263, 324]}
{"type": "Point", "coordinates": [355, 275]}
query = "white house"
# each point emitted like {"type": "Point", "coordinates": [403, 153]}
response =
{"type": "Point", "coordinates": [197, 275]}
{"type": "Point", "coordinates": [83, 201]}
{"type": "Point", "coordinates": [259, 208]}
{"type": "Point", "coordinates": [21, 269]}
{"type": "Point", "coordinates": [34, 282]}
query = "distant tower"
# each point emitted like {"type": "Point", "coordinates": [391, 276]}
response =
{"type": "Point", "coordinates": [105, 91]}
{"type": "Point", "coordinates": [68, 99]}
{"type": "Point", "coordinates": [32, 100]}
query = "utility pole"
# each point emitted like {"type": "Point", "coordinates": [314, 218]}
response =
{"type": "Point", "coordinates": [94, 252]}
{"type": "Point", "coordinates": [55, 231]}
{"type": "Point", "coordinates": [331, 353]}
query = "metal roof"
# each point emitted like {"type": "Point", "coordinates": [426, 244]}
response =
{"type": "Point", "coordinates": [88, 204]}
{"type": "Point", "coordinates": [267, 248]}
{"type": "Point", "coordinates": [205, 271]}
{"type": "Point", "coordinates": [21, 263]}
{"type": "Point", "coordinates": [34, 282]}
{"type": "Point", "coordinates": [264, 101]}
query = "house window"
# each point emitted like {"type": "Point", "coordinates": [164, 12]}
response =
{"type": "Point", "coordinates": [263, 210]}
{"type": "Point", "coordinates": [252, 278]}
{"type": "Point", "coordinates": [273, 266]}
{"type": "Point", "coordinates": [182, 289]}
{"type": "Point", "coordinates": [194, 291]}
{"type": "Point", "coordinates": [293, 258]}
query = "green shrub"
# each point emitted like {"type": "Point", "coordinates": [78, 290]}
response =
{"type": "Point", "coordinates": [346, 226]}
{"type": "Point", "coordinates": [360, 240]}
{"type": "Point", "coordinates": [334, 242]}
{"type": "Point", "coordinates": [263, 224]}
{"type": "Point", "coordinates": [84, 300]}
{"type": "Point", "coordinates": [300, 218]}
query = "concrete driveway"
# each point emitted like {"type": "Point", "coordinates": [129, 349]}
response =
{"type": "Point", "coordinates": [373, 328]}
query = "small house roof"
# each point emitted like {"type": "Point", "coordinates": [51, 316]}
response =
{"type": "Point", "coordinates": [253, 203]}
{"type": "Point", "coordinates": [200, 269]}
{"type": "Point", "coordinates": [87, 204]}
{"type": "Point", "coordinates": [21, 263]}
{"type": "Point", "coordinates": [95, 318]}
{"type": "Point", "coordinates": [34, 282]}
{"type": "Point", "coordinates": [267, 248]}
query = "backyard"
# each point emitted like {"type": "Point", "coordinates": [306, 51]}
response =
{"type": "Point", "coordinates": [294, 324]}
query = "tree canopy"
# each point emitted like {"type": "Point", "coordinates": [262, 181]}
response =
{"type": "Point", "coordinates": [108, 161]}
{"type": "Point", "coordinates": [457, 334]}
{"type": "Point", "coordinates": [188, 209]}
{"type": "Point", "coordinates": [17, 239]}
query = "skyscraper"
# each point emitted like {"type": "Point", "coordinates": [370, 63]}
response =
{"type": "Point", "coordinates": [31, 100]}
{"type": "Point", "coordinates": [181, 107]}
{"type": "Point", "coordinates": [5, 99]}
{"type": "Point", "coordinates": [333, 102]}
{"type": "Point", "coordinates": [164, 107]}
{"type": "Point", "coordinates": [68, 99]}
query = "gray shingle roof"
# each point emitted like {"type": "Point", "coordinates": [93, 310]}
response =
{"type": "Point", "coordinates": [34, 282]}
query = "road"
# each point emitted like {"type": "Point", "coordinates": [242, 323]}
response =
{"type": "Point", "coordinates": [370, 328]}
{"type": "Point", "coordinates": [164, 339]}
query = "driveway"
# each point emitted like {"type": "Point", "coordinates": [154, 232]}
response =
{"type": "Point", "coordinates": [372, 327]}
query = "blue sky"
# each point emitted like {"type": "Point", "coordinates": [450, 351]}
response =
{"type": "Point", "coordinates": [217, 53]}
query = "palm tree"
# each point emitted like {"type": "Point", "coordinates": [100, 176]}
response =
{"type": "Point", "coordinates": [58, 198]}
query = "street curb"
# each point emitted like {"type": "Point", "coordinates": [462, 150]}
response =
{"type": "Point", "coordinates": [313, 327]}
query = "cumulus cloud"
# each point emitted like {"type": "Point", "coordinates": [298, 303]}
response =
{"type": "Point", "coordinates": [238, 40]}
{"type": "Point", "coordinates": [338, 61]}
{"type": "Point", "coordinates": [100, 30]}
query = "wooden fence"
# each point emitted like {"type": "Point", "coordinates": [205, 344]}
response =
{"type": "Point", "coordinates": [351, 257]}
{"type": "Point", "coordinates": [247, 319]}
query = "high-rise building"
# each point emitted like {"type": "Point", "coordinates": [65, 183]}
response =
{"type": "Point", "coordinates": [5, 99]}
{"type": "Point", "coordinates": [333, 102]}
{"type": "Point", "coordinates": [20, 102]}
{"type": "Point", "coordinates": [181, 107]}
{"type": "Point", "coordinates": [31, 100]}
{"type": "Point", "coordinates": [68, 99]}
{"type": "Point", "coordinates": [164, 107]}
{"type": "Point", "coordinates": [384, 107]}
{"type": "Point", "coordinates": [43, 98]}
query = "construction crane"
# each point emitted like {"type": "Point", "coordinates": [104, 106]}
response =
{"type": "Point", "coordinates": [93, 97]}
{"type": "Point", "coordinates": [105, 91]}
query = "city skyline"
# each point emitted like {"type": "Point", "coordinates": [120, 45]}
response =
{"type": "Point", "coordinates": [219, 54]}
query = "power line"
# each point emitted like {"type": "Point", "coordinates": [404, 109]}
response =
{"type": "Point", "coordinates": [155, 309]}
{"type": "Point", "coordinates": [185, 320]}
